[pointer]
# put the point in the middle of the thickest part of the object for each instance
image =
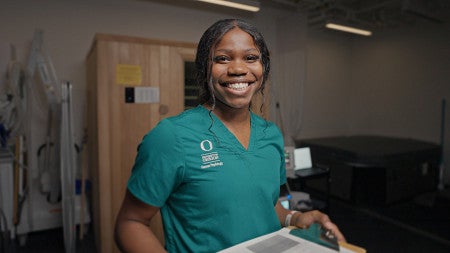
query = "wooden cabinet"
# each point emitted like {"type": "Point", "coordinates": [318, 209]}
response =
{"type": "Point", "coordinates": [115, 127]}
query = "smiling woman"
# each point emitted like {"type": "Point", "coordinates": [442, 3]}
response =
{"type": "Point", "coordinates": [219, 150]}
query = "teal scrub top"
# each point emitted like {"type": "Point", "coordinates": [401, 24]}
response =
{"type": "Point", "coordinates": [213, 193]}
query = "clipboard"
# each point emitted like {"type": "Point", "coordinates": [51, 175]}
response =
{"type": "Point", "coordinates": [283, 241]}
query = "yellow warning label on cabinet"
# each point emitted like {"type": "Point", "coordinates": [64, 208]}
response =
{"type": "Point", "coordinates": [128, 74]}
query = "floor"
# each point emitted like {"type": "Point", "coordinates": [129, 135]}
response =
{"type": "Point", "coordinates": [379, 231]}
{"type": "Point", "coordinates": [405, 227]}
{"type": "Point", "coordinates": [52, 241]}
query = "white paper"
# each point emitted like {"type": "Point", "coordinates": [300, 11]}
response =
{"type": "Point", "coordinates": [145, 94]}
{"type": "Point", "coordinates": [281, 241]}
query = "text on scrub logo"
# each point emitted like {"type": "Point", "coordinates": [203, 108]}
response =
{"type": "Point", "coordinates": [210, 159]}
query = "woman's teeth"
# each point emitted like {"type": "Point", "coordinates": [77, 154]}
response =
{"type": "Point", "coordinates": [238, 86]}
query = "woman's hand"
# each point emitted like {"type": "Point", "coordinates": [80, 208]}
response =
{"type": "Point", "coordinates": [304, 220]}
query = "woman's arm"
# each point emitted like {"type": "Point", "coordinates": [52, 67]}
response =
{"type": "Point", "coordinates": [132, 232]}
{"type": "Point", "coordinates": [304, 220]}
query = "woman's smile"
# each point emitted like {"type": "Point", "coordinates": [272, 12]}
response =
{"type": "Point", "coordinates": [238, 86]}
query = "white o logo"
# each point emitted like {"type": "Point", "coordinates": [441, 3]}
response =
{"type": "Point", "coordinates": [206, 145]}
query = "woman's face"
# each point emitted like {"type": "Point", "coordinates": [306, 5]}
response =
{"type": "Point", "coordinates": [237, 72]}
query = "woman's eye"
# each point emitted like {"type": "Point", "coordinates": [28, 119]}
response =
{"type": "Point", "coordinates": [252, 58]}
{"type": "Point", "coordinates": [220, 58]}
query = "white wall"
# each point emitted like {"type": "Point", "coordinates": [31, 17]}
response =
{"type": "Point", "coordinates": [326, 101]}
{"type": "Point", "coordinates": [400, 81]}
{"type": "Point", "coordinates": [289, 74]}
{"type": "Point", "coordinates": [390, 84]}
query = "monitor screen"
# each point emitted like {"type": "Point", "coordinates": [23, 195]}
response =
{"type": "Point", "coordinates": [302, 158]}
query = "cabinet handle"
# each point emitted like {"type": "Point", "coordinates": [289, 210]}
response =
{"type": "Point", "coordinates": [163, 109]}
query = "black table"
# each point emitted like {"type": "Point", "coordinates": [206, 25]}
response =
{"type": "Point", "coordinates": [376, 169]}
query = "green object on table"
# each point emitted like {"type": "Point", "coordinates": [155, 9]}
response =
{"type": "Point", "coordinates": [315, 233]}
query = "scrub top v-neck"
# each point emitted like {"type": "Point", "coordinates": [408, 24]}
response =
{"type": "Point", "coordinates": [229, 135]}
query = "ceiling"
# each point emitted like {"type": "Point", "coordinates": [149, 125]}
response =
{"type": "Point", "coordinates": [371, 14]}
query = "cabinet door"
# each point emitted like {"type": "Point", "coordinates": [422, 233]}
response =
{"type": "Point", "coordinates": [163, 69]}
{"type": "Point", "coordinates": [119, 125]}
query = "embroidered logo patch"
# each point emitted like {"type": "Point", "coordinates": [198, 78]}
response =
{"type": "Point", "coordinates": [210, 159]}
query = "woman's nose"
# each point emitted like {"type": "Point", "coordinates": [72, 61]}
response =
{"type": "Point", "coordinates": [237, 68]}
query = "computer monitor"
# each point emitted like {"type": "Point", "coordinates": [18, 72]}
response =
{"type": "Point", "coordinates": [302, 158]}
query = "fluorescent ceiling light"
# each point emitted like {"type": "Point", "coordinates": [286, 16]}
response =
{"type": "Point", "coordinates": [247, 5]}
{"type": "Point", "coordinates": [348, 29]}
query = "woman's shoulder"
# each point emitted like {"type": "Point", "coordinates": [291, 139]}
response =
{"type": "Point", "coordinates": [188, 118]}
{"type": "Point", "coordinates": [260, 121]}
{"type": "Point", "coordinates": [266, 128]}
{"type": "Point", "coordinates": [170, 131]}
